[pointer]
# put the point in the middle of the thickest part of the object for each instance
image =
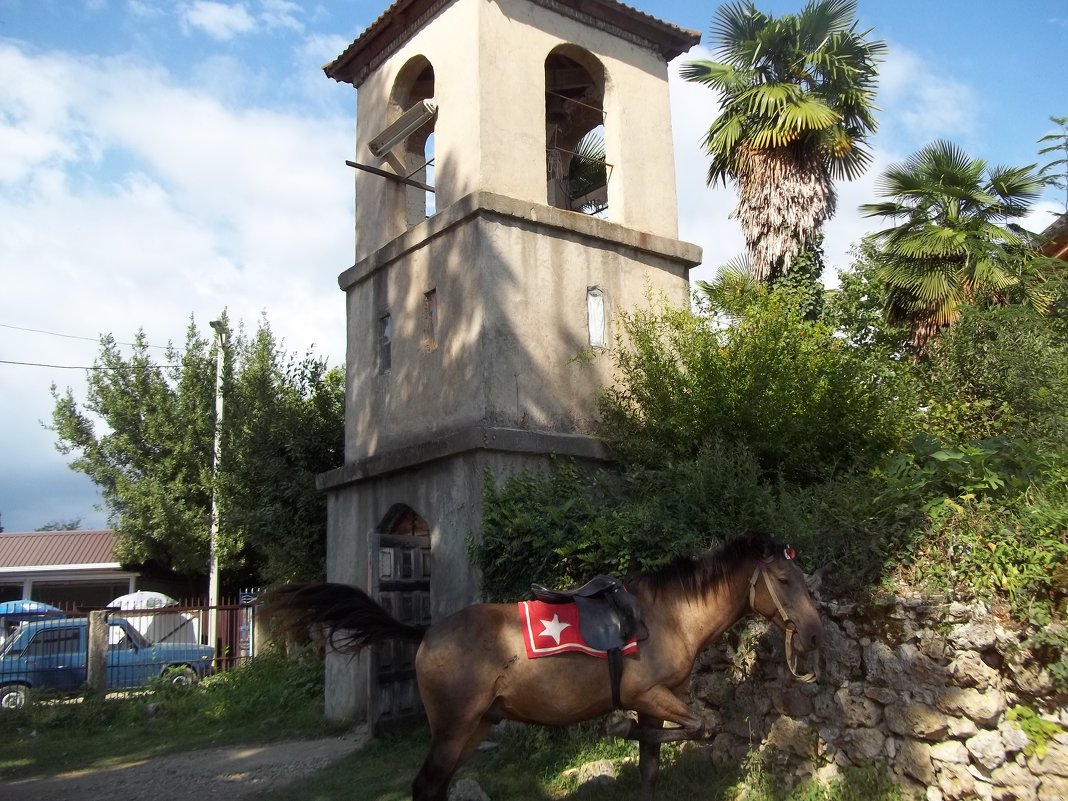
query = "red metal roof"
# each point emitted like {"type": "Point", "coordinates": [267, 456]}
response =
{"type": "Point", "coordinates": [403, 17]}
{"type": "Point", "coordinates": [48, 548]}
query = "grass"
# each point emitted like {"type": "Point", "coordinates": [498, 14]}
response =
{"type": "Point", "coordinates": [275, 699]}
{"type": "Point", "coordinates": [533, 764]}
{"type": "Point", "coordinates": [269, 699]}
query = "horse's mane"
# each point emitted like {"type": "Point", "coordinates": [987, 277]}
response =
{"type": "Point", "coordinates": [692, 576]}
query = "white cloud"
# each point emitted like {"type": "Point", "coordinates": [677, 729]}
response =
{"type": "Point", "coordinates": [144, 8]}
{"type": "Point", "coordinates": [920, 100]}
{"type": "Point", "coordinates": [129, 201]}
{"type": "Point", "coordinates": [225, 21]}
{"type": "Point", "coordinates": [220, 21]}
{"type": "Point", "coordinates": [281, 14]}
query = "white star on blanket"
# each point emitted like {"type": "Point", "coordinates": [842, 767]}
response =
{"type": "Point", "coordinates": [553, 628]}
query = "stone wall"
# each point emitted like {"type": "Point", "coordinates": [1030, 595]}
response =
{"type": "Point", "coordinates": [926, 688]}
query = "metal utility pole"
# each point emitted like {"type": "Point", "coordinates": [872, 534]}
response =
{"type": "Point", "coordinates": [213, 567]}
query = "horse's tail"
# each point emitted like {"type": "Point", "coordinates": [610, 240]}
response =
{"type": "Point", "coordinates": [350, 617]}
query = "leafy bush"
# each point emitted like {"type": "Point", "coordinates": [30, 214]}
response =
{"type": "Point", "coordinates": [561, 527]}
{"type": "Point", "coordinates": [995, 520]}
{"type": "Point", "coordinates": [938, 476]}
{"type": "Point", "coordinates": [999, 373]}
{"type": "Point", "coordinates": [785, 388]}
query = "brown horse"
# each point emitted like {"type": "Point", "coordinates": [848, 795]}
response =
{"type": "Point", "coordinates": [473, 672]}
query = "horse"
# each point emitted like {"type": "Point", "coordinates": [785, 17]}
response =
{"type": "Point", "coordinates": [472, 670]}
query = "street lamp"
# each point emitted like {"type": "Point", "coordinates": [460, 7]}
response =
{"type": "Point", "coordinates": [213, 567]}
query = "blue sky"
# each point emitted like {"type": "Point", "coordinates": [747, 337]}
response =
{"type": "Point", "coordinates": [162, 159]}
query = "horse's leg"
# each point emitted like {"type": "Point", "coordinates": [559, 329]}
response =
{"type": "Point", "coordinates": [659, 703]}
{"type": "Point", "coordinates": [649, 758]}
{"type": "Point", "coordinates": [448, 751]}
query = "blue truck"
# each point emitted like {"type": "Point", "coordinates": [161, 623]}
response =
{"type": "Point", "coordinates": [49, 656]}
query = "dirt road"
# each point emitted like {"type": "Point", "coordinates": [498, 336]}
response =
{"type": "Point", "coordinates": [216, 774]}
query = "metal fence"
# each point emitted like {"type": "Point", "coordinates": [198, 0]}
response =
{"type": "Point", "coordinates": [61, 654]}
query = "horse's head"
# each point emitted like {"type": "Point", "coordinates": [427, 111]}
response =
{"type": "Point", "coordinates": [777, 590]}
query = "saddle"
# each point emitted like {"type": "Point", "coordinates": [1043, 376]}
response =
{"type": "Point", "coordinates": [609, 617]}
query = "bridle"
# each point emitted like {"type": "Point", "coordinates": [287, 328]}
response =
{"type": "Point", "coordinates": [791, 628]}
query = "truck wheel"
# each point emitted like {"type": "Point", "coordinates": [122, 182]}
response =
{"type": "Point", "coordinates": [13, 696]}
{"type": "Point", "coordinates": [179, 676]}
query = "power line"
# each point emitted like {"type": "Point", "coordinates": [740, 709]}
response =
{"type": "Point", "coordinates": [71, 336]}
{"type": "Point", "coordinates": [94, 367]}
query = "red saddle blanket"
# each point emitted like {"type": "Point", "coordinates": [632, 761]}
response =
{"type": "Point", "coordinates": [550, 629]}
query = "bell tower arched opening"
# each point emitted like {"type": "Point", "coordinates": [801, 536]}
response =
{"type": "Point", "coordinates": [576, 167]}
{"type": "Point", "coordinates": [414, 85]}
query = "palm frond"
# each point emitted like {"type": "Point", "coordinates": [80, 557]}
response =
{"type": "Point", "coordinates": [807, 114]}
{"type": "Point", "coordinates": [736, 22]}
{"type": "Point", "coordinates": [734, 289]}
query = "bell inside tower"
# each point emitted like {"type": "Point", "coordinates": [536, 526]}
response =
{"type": "Point", "coordinates": [576, 169]}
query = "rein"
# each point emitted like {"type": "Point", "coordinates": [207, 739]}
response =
{"type": "Point", "coordinates": [791, 627]}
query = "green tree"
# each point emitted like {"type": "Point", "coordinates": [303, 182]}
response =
{"type": "Point", "coordinates": [797, 97]}
{"type": "Point", "coordinates": [145, 436]}
{"type": "Point", "coordinates": [856, 308]}
{"type": "Point", "coordinates": [734, 290]}
{"type": "Point", "coordinates": [587, 175]}
{"type": "Point", "coordinates": [1056, 171]}
{"type": "Point", "coordinates": [999, 373]}
{"type": "Point", "coordinates": [953, 241]}
{"type": "Point", "coordinates": [61, 525]}
{"type": "Point", "coordinates": [285, 426]}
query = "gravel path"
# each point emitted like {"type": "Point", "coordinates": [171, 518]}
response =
{"type": "Point", "coordinates": [214, 774]}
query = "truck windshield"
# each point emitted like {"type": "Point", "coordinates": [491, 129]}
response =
{"type": "Point", "coordinates": [123, 632]}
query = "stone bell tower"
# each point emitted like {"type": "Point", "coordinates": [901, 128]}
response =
{"type": "Point", "coordinates": [495, 240]}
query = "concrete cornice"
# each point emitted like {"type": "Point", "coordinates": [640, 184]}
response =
{"type": "Point", "coordinates": [489, 204]}
{"type": "Point", "coordinates": [404, 18]}
{"type": "Point", "coordinates": [476, 438]}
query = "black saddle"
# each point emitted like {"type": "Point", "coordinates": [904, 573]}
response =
{"type": "Point", "coordinates": [609, 617]}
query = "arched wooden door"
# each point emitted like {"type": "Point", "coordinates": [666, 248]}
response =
{"type": "Point", "coordinates": [401, 568]}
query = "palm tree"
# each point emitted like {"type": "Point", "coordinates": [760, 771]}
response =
{"type": "Point", "coordinates": [1056, 172]}
{"type": "Point", "coordinates": [797, 96]}
{"type": "Point", "coordinates": [953, 241]}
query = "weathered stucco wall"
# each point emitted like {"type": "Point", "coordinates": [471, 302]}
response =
{"type": "Point", "coordinates": [511, 281]}
{"type": "Point", "coordinates": [923, 687]}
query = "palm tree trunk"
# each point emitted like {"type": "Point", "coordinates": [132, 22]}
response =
{"type": "Point", "coordinates": [784, 196]}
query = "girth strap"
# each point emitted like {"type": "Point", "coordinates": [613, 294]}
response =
{"type": "Point", "coordinates": [615, 675]}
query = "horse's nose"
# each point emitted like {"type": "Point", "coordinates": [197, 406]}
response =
{"type": "Point", "coordinates": [815, 636]}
